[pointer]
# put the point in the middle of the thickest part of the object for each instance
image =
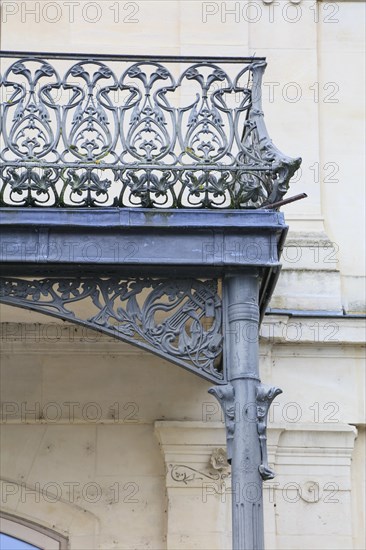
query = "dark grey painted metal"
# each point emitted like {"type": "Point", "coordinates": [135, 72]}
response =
{"type": "Point", "coordinates": [177, 319]}
{"type": "Point", "coordinates": [107, 132]}
{"type": "Point", "coordinates": [143, 217]}
{"type": "Point", "coordinates": [135, 237]}
{"type": "Point", "coordinates": [173, 243]}
{"type": "Point", "coordinates": [245, 404]}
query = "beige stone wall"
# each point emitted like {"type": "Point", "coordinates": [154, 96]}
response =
{"type": "Point", "coordinates": [110, 446]}
{"type": "Point", "coordinates": [83, 417]}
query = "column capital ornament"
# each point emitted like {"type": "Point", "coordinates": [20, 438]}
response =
{"type": "Point", "coordinates": [226, 397]}
{"type": "Point", "coordinates": [265, 396]}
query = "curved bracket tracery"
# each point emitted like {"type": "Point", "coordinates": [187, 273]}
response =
{"type": "Point", "coordinates": [179, 320]}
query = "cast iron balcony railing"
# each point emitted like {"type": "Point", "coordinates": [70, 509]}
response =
{"type": "Point", "coordinates": [128, 131]}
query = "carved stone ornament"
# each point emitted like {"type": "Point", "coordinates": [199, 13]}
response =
{"type": "Point", "coordinates": [218, 470]}
{"type": "Point", "coordinates": [219, 460]}
{"type": "Point", "coordinates": [187, 475]}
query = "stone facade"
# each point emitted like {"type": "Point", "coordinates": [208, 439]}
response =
{"type": "Point", "coordinates": [113, 448]}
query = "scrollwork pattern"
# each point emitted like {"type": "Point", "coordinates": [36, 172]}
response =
{"type": "Point", "coordinates": [186, 474]}
{"type": "Point", "coordinates": [136, 134]}
{"type": "Point", "coordinates": [178, 319]}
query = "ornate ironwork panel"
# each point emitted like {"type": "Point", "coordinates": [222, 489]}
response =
{"type": "Point", "coordinates": [178, 319]}
{"type": "Point", "coordinates": [115, 131]}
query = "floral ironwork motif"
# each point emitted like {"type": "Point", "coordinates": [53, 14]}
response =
{"type": "Point", "coordinates": [113, 134]}
{"type": "Point", "coordinates": [178, 319]}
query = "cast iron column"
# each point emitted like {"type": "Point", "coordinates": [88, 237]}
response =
{"type": "Point", "coordinates": [245, 403]}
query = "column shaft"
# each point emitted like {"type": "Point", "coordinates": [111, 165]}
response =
{"type": "Point", "coordinates": [241, 341]}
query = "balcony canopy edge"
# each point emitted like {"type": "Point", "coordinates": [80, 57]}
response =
{"type": "Point", "coordinates": [141, 217]}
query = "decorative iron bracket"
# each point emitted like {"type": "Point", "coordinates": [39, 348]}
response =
{"type": "Point", "coordinates": [177, 319]}
{"type": "Point", "coordinates": [226, 397]}
{"type": "Point", "coordinates": [265, 396]}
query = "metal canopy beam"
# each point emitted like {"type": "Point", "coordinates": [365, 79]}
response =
{"type": "Point", "coordinates": [172, 243]}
